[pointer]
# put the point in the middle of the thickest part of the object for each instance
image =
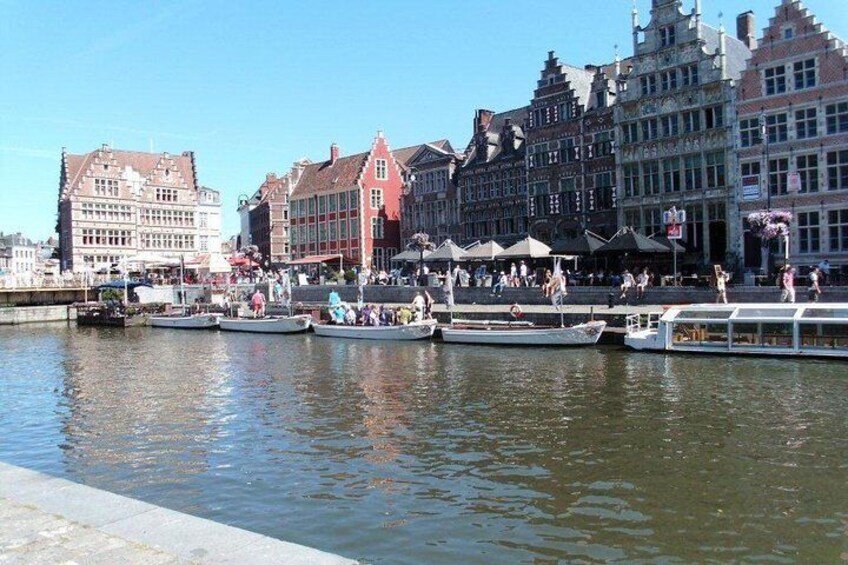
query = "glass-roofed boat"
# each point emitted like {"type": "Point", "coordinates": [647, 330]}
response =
{"type": "Point", "coordinates": [797, 330]}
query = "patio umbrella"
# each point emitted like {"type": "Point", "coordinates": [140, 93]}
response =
{"type": "Point", "coordinates": [483, 252]}
{"type": "Point", "coordinates": [585, 244]}
{"type": "Point", "coordinates": [670, 243]}
{"type": "Point", "coordinates": [529, 247]}
{"type": "Point", "coordinates": [626, 240]}
{"type": "Point", "coordinates": [409, 256]}
{"type": "Point", "coordinates": [447, 251]}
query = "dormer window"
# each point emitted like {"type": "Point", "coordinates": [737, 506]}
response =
{"type": "Point", "coordinates": [600, 99]}
{"type": "Point", "coordinates": [666, 36]}
{"type": "Point", "coordinates": [788, 33]}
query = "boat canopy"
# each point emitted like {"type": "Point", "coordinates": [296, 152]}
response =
{"type": "Point", "coordinates": [718, 313]}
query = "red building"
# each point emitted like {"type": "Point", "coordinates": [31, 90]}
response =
{"type": "Point", "coordinates": [269, 220]}
{"type": "Point", "coordinates": [795, 86]}
{"type": "Point", "coordinates": [347, 206]}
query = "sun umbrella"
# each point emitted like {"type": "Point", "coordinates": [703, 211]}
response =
{"type": "Point", "coordinates": [585, 244]}
{"type": "Point", "coordinates": [529, 247]}
{"type": "Point", "coordinates": [483, 252]}
{"type": "Point", "coordinates": [409, 256]}
{"type": "Point", "coordinates": [447, 251]}
{"type": "Point", "coordinates": [626, 240]}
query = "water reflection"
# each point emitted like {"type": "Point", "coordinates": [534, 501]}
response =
{"type": "Point", "coordinates": [428, 453]}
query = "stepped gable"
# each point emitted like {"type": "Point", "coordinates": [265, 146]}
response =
{"type": "Point", "coordinates": [77, 166]}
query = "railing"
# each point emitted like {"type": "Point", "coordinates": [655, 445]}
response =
{"type": "Point", "coordinates": [642, 322]}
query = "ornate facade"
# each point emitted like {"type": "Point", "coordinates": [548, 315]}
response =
{"type": "Point", "coordinates": [673, 116]}
{"type": "Point", "coordinates": [795, 88]}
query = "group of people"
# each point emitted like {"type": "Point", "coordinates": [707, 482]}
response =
{"type": "Point", "coordinates": [640, 282]}
{"type": "Point", "coordinates": [344, 313]}
{"type": "Point", "coordinates": [786, 282]}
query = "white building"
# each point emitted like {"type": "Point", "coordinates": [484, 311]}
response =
{"type": "Point", "coordinates": [18, 254]}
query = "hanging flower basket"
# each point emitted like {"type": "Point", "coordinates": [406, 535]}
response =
{"type": "Point", "coordinates": [770, 224]}
{"type": "Point", "coordinates": [420, 242]}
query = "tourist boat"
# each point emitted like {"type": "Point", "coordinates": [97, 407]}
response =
{"type": "Point", "coordinates": [792, 330]}
{"type": "Point", "coordinates": [489, 333]}
{"type": "Point", "coordinates": [414, 330]}
{"type": "Point", "coordinates": [188, 322]}
{"type": "Point", "coordinates": [267, 325]}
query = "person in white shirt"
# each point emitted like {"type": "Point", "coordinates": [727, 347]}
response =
{"type": "Point", "coordinates": [418, 307]}
{"type": "Point", "coordinates": [642, 280]}
{"type": "Point", "coordinates": [522, 273]}
{"type": "Point", "coordinates": [627, 282]}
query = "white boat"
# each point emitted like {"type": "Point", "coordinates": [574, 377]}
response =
{"type": "Point", "coordinates": [268, 325]}
{"type": "Point", "coordinates": [189, 322]}
{"type": "Point", "coordinates": [411, 331]}
{"type": "Point", "coordinates": [503, 334]}
{"type": "Point", "coordinates": [791, 330]}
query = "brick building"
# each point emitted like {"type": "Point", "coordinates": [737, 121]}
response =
{"type": "Point", "coordinates": [674, 115]}
{"type": "Point", "coordinates": [570, 151]}
{"type": "Point", "coordinates": [796, 82]}
{"type": "Point", "coordinates": [347, 206]}
{"type": "Point", "coordinates": [116, 204]}
{"type": "Point", "coordinates": [492, 179]}
{"type": "Point", "coordinates": [269, 219]}
{"type": "Point", "coordinates": [430, 201]}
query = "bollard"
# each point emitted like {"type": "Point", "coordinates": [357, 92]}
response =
{"type": "Point", "coordinates": [611, 300]}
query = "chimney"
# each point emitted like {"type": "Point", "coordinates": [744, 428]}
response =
{"type": "Point", "coordinates": [334, 153]}
{"type": "Point", "coordinates": [745, 29]}
{"type": "Point", "coordinates": [482, 118]}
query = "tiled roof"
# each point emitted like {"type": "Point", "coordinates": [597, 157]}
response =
{"type": "Point", "coordinates": [405, 154]}
{"type": "Point", "coordinates": [328, 177]}
{"type": "Point", "coordinates": [580, 81]}
{"type": "Point", "coordinates": [141, 162]}
{"type": "Point", "coordinates": [517, 117]}
{"type": "Point", "coordinates": [737, 53]}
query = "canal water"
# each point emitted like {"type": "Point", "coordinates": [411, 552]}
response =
{"type": "Point", "coordinates": [432, 453]}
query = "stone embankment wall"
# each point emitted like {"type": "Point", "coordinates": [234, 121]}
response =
{"type": "Point", "coordinates": [583, 295]}
{"type": "Point", "coordinates": [33, 314]}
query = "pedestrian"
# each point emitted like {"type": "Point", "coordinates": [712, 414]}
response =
{"type": "Point", "coordinates": [787, 284]}
{"type": "Point", "coordinates": [278, 291]}
{"type": "Point", "coordinates": [428, 306]}
{"type": "Point", "coordinates": [627, 282]}
{"type": "Point", "coordinates": [513, 275]}
{"type": "Point", "coordinates": [498, 287]}
{"type": "Point", "coordinates": [257, 304]}
{"type": "Point", "coordinates": [642, 280]}
{"type": "Point", "coordinates": [824, 272]}
{"type": "Point", "coordinates": [522, 273]}
{"type": "Point", "coordinates": [418, 307]}
{"type": "Point", "coordinates": [721, 287]}
{"type": "Point", "coordinates": [814, 289]}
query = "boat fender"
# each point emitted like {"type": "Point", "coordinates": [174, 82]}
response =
{"type": "Point", "coordinates": [515, 311]}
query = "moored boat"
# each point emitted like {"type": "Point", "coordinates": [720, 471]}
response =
{"type": "Point", "coordinates": [791, 330]}
{"type": "Point", "coordinates": [501, 334]}
{"type": "Point", "coordinates": [269, 324]}
{"type": "Point", "coordinates": [188, 322]}
{"type": "Point", "coordinates": [414, 330]}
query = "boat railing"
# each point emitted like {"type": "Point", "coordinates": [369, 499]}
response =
{"type": "Point", "coordinates": [642, 322]}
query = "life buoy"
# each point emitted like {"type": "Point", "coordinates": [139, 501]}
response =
{"type": "Point", "coordinates": [515, 311]}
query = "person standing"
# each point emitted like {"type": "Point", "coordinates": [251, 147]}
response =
{"type": "Point", "coordinates": [814, 289]}
{"type": "Point", "coordinates": [721, 287]}
{"type": "Point", "coordinates": [824, 272]}
{"type": "Point", "coordinates": [513, 275]}
{"type": "Point", "coordinates": [522, 273]}
{"type": "Point", "coordinates": [257, 304]}
{"type": "Point", "coordinates": [788, 284]}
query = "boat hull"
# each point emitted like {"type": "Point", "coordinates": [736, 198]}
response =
{"type": "Point", "coordinates": [581, 334]}
{"type": "Point", "coordinates": [195, 322]}
{"type": "Point", "coordinates": [270, 325]}
{"type": "Point", "coordinates": [413, 331]}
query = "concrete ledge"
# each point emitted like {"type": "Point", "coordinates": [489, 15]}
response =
{"type": "Point", "coordinates": [48, 519]}
{"type": "Point", "coordinates": [33, 314]}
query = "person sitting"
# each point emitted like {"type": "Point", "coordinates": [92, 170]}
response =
{"type": "Point", "coordinates": [365, 315]}
{"type": "Point", "coordinates": [373, 317]}
{"type": "Point", "coordinates": [404, 316]}
{"type": "Point", "coordinates": [497, 289]}
{"type": "Point", "coordinates": [349, 316]}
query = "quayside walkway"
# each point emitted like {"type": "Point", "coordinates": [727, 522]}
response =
{"type": "Point", "coordinates": [45, 519]}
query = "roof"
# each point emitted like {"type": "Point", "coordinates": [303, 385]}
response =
{"type": "Point", "coordinates": [737, 53]}
{"type": "Point", "coordinates": [15, 240]}
{"type": "Point", "coordinates": [580, 81]}
{"type": "Point", "coordinates": [517, 118]}
{"type": "Point", "coordinates": [327, 177]}
{"type": "Point", "coordinates": [143, 163]}
{"type": "Point", "coordinates": [405, 154]}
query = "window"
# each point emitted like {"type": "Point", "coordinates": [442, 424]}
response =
{"type": "Point", "coordinates": [691, 121]}
{"type": "Point", "coordinates": [778, 168]}
{"type": "Point", "coordinates": [776, 128]}
{"type": "Point", "coordinates": [333, 231]}
{"type": "Point", "coordinates": [669, 125]}
{"type": "Point", "coordinates": [204, 219]}
{"type": "Point", "coordinates": [631, 134]}
{"type": "Point", "coordinates": [649, 84]}
{"type": "Point", "coordinates": [376, 198]}
{"type": "Point", "coordinates": [322, 204]}
{"type": "Point", "coordinates": [713, 117]}
{"type": "Point", "coordinates": [836, 116]}
{"type": "Point", "coordinates": [666, 36]}
{"type": "Point", "coordinates": [689, 74]}
{"type": "Point", "coordinates": [671, 174]}
{"type": "Point", "coordinates": [631, 180]}
{"type": "Point", "coordinates": [353, 200]}
{"type": "Point", "coordinates": [166, 194]}
{"type": "Point", "coordinates": [788, 33]}
{"type": "Point", "coordinates": [775, 79]}
{"type": "Point", "coordinates": [838, 229]}
{"type": "Point", "coordinates": [204, 243]}
{"type": "Point", "coordinates": [332, 201]}
{"type": "Point", "coordinates": [715, 169]}
{"type": "Point", "coordinates": [651, 177]}
{"type": "Point", "coordinates": [649, 129]}
{"type": "Point", "coordinates": [668, 80]}
{"type": "Point", "coordinates": [749, 132]}
{"type": "Point", "coordinates": [692, 172]}
{"type": "Point", "coordinates": [381, 171]}
{"type": "Point", "coordinates": [808, 232]}
{"type": "Point", "coordinates": [837, 170]}
{"type": "Point", "coordinates": [106, 187]}
{"type": "Point", "coordinates": [808, 171]}
{"type": "Point", "coordinates": [751, 169]}
{"type": "Point", "coordinates": [804, 73]}
{"type": "Point", "coordinates": [805, 123]}
{"type": "Point", "coordinates": [311, 203]}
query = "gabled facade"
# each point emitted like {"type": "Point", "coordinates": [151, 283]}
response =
{"type": "Point", "coordinates": [116, 204]}
{"type": "Point", "coordinates": [18, 254]}
{"type": "Point", "coordinates": [570, 152]}
{"type": "Point", "coordinates": [492, 179]}
{"type": "Point", "coordinates": [430, 201]}
{"type": "Point", "coordinates": [795, 87]}
{"type": "Point", "coordinates": [348, 206]}
{"type": "Point", "coordinates": [269, 219]}
{"type": "Point", "coordinates": [673, 116]}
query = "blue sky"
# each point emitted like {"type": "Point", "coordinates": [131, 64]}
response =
{"type": "Point", "coordinates": [253, 86]}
